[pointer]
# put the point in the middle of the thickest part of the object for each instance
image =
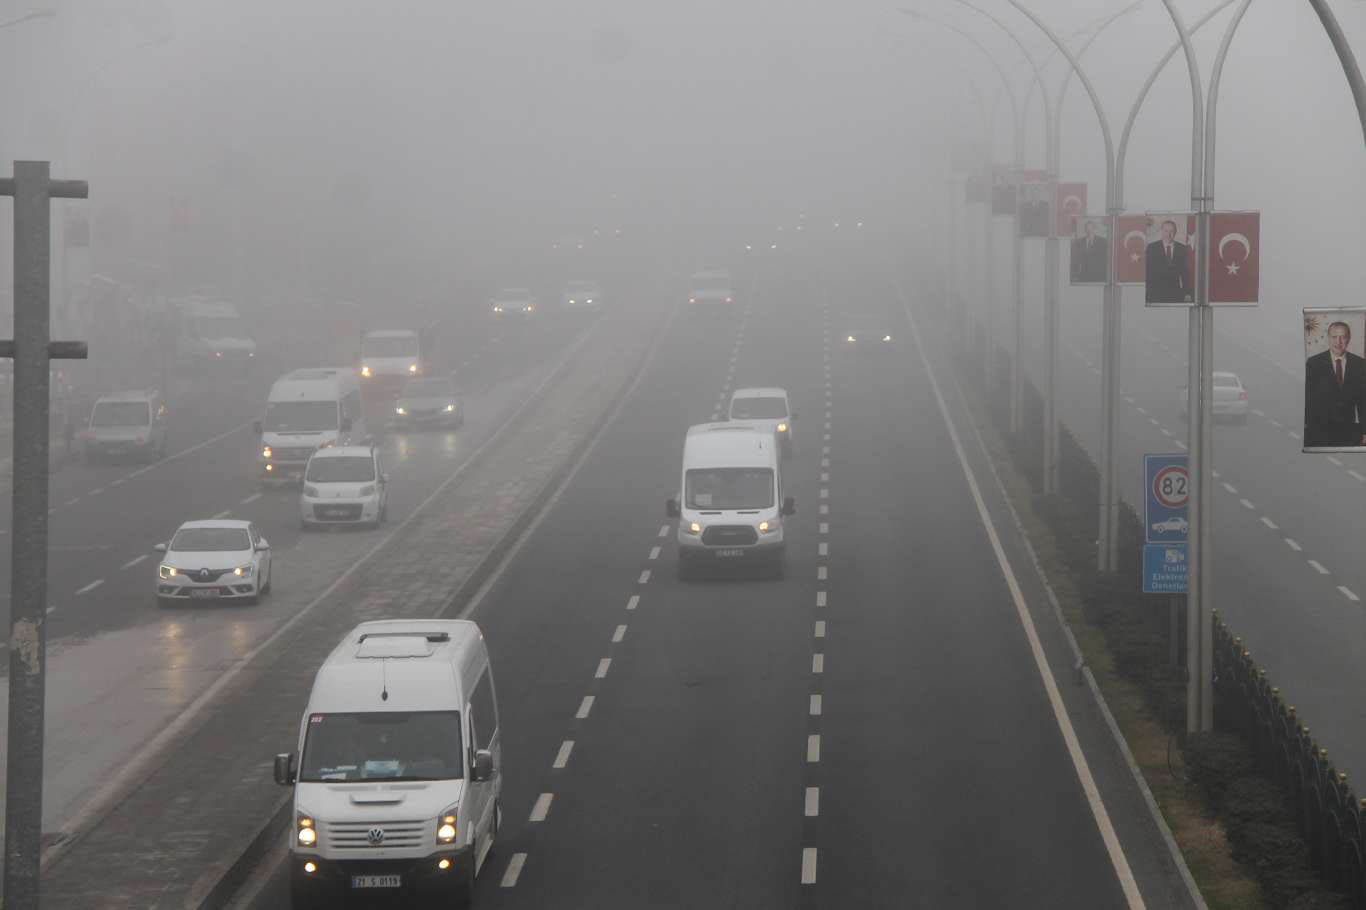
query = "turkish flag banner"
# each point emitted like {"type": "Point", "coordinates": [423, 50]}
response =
{"type": "Point", "coordinates": [1071, 203]}
{"type": "Point", "coordinates": [1130, 241]}
{"type": "Point", "coordinates": [1234, 257]}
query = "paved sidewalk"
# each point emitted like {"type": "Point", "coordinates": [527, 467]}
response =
{"type": "Point", "coordinates": [169, 842]}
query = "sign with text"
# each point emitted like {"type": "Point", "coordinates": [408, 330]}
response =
{"type": "Point", "coordinates": [1164, 569]}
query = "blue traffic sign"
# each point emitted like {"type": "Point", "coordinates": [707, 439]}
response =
{"type": "Point", "coordinates": [1166, 480]}
{"type": "Point", "coordinates": [1164, 569]}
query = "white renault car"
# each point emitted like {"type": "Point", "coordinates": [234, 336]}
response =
{"type": "Point", "coordinates": [1230, 398]}
{"type": "Point", "coordinates": [767, 408]}
{"type": "Point", "coordinates": [222, 559]}
{"type": "Point", "coordinates": [344, 485]}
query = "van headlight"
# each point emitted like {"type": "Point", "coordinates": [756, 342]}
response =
{"type": "Point", "coordinates": [367, 490]}
{"type": "Point", "coordinates": [166, 571]}
{"type": "Point", "coordinates": [412, 368]}
{"type": "Point", "coordinates": [400, 411]}
{"type": "Point", "coordinates": [769, 527]}
{"type": "Point", "coordinates": [305, 830]}
{"type": "Point", "coordinates": [243, 571]}
{"type": "Point", "coordinates": [365, 371]}
{"type": "Point", "coordinates": [265, 452]}
{"type": "Point", "coordinates": [450, 408]}
{"type": "Point", "coordinates": [695, 528]}
{"type": "Point", "coordinates": [446, 831]}
{"type": "Point", "coordinates": [782, 428]}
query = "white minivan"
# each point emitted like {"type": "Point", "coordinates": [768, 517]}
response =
{"type": "Point", "coordinates": [731, 504]}
{"type": "Point", "coordinates": [392, 356]}
{"type": "Point", "coordinates": [397, 787]}
{"type": "Point", "coordinates": [306, 410]}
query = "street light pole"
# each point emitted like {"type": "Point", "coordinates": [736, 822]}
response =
{"type": "Point", "coordinates": [1345, 56]}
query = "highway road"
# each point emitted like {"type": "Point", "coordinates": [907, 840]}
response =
{"type": "Point", "coordinates": [871, 730]}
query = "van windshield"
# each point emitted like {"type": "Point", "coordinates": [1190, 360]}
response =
{"type": "Point", "coordinates": [121, 414]}
{"type": "Point", "coordinates": [405, 346]}
{"type": "Point", "coordinates": [383, 745]}
{"type": "Point", "coordinates": [757, 408]}
{"type": "Point", "coordinates": [300, 416]}
{"type": "Point", "coordinates": [216, 327]}
{"type": "Point", "coordinates": [729, 488]}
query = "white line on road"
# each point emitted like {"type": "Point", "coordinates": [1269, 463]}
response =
{"type": "Point", "coordinates": [820, 598]}
{"type": "Point", "coordinates": [603, 666]}
{"type": "Point", "coordinates": [1166, 432]}
{"type": "Point", "coordinates": [90, 587]}
{"type": "Point", "coordinates": [820, 628]}
{"type": "Point", "coordinates": [825, 509]}
{"type": "Point", "coordinates": [825, 450]}
{"type": "Point", "coordinates": [808, 865]}
{"type": "Point", "coordinates": [663, 530]}
{"type": "Point", "coordinates": [1180, 443]}
{"type": "Point", "coordinates": [644, 577]}
{"type": "Point", "coordinates": [542, 807]}
{"type": "Point", "coordinates": [1247, 504]}
{"type": "Point", "coordinates": [1318, 566]}
{"type": "Point", "coordinates": [1142, 410]}
{"type": "Point", "coordinates": [822, 573]}
{"type": "Point", "coordinates": [1293, 545]}
{"type": "Point", "coordinates": [1347, 593]}
{"type": "Point", "coordinates": [815, 708]}
{"type": "Point", "coordinates": [1215, 474]}
{"type": "Point", "coordinates": [813, 802]}
{"type": "Point", "coordinates": [633, 602]}
{"type": "Point", "coordinates": [585, 707]}
{"type": "Point", "coordinates": [52, 609]}
{"type": "Point", "coordinates": [1231, 488]}
{"type": "Point", "coordinates": [1273, 421]}
{"type": "Point", "coordinates": [618, 634]}
{"type": "Point", "coordinates": [1153, 421]}
{"type": "Point", "coordinates": [250, 499]}
{"type": "Point", "coordinates": [223, 514]}
{"type": "Point", "coordinates": [562, 757]}
{"type": "Point", "coordinates": [1356, 474]}
{"type": "Point", "coordinates": [825, 462]}
{"type": "Point", "coordinates": [1269, 523]}
{"type": "Point", "coordinates": [95, 492]}
{"type": "Point", "coordinates": [1294, 435]}
{"type": "Point", "coordinates": [825, 476]}
{"type": "Point", "coordinates": [813, 748]}
{"type": "Point", "coordinates": [514, 870]}
{"type": "Point", "coordinates": [654, 553]}
{"type": "Point", "coordinates": [823, 549]}
{"type": "Point", "coordinates": [1129, 398]}
{"type": "Point", "coordinates": [134, 561]}
{"type": "Point", "coordinates": [72, 502]}
{"type": "Point", "coordinates": [817, 663]}
{"type": "Point", "coordinates": [824, 527]}
{"type": "Point", "coordinates": [825, 493]}
{"type": "Point", "coordinates": [1259, 412]}
{"type": "Point", "coordinates": [1335, 460]}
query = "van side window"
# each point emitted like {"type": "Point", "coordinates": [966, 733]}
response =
{"type": "Point", "coordinates": [483, 712]}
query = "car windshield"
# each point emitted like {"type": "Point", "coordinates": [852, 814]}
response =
{"type": "Point", "coordinates": [581, 287]}
{"type": "Point", "coordinates": [389, 347]}
{"type": "Point", "coordinates": [220, 327]}
{"type": "Point", "coordinates": [383, 745]}
{"type": "Point", "coordinates": [300, 416]}
{"type": "Point", "coordinates": [729, 488]}
{"type": "Point", "coordinates": [711, 282]}
{"type": "Point", "coordinates": [512, 295]}
{"type": "Point", "coordinates": [205, 540]}
{"type": "Point", "coordinates": [758, 408]}
{"type": "Point", "coordinates": [427, 388]}
{"type": "Point", "coordinates": [1226, 381]}
{"type": "Point", "coordinates": [121, 414]}
{"type": "Point", "coordinates": [341, 469]}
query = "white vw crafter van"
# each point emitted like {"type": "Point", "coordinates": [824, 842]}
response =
{"type": "Point", "coordinates": [306, 410]}
{"type": "Point", "coordinates": [731, 506]}
{"type": "Point", "coordinates": [396, 779]}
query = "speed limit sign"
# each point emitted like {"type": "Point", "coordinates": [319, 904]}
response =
{"type": "Point", "coordinates": [1167, 480]}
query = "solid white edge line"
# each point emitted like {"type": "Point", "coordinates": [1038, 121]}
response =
{"type": "Point", "coordinates": [1083, 768]}
{"type": "Point", "coordinates": [514, 870]}
{"type": "Point", "coordinates": [562, 757]}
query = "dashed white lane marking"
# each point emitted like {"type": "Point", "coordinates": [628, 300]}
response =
{"type": "Point", "coordinates": [664, 531]}
{"type": "Point", "coordinates": [116, 481]}
{"type": "Point", "coordinates": [1347, 593]}
{"type": "Point", "coordinates": [1247, 504]}
{"type": "Point", "coordinates": [223, 514]}
{"type": "Point", "coordinates": [826, 437]}
{"type": "Point", "coordinates": [823, 549]}
{"type": "Point", "coordinates": [1166, 432]}
{"type": "Point", "coordinates": [542, 807]}
{"type": "Point", "coordinates": [1153, 421]}
{"type": "Point", "coordinates": [813, 748]}
{"type": "Point", "coordinates": [1269, 523]}
{"type": "Point", "coordinates": [134, 561]}
{"type": "Point", "coordinates": [825, 492]}
{"type": "Point", "coordinates": [250, 499]}
{"type": "Point", "coordinates": [562, 757]}
{"type": "Point", "coordinates": [808, 865]}
{"type": "Point", "coordinates": [820, 598]}
{"type": "Point", "coordinates": [1294, 435]}
{"type": "Point", "coordinates": [95, 492]}
{"type": "Point", "coordinates": [603, 666]}
{"type": "Point", "coordinates": [90, 587]}
{"type": "Point", "coordinates": [1231, 488]}
{"type": "Point", "coordinates": [585, 707]}
{"type": "Point", "coordinates": [654, 553]}
{"type": "Point", "coordinates": [1259, 412]}
{"type": "Point", "coordinates": [827, 425]}
{"type": "Point", "coordinates": [825, 450]}
{"type": "Point", "coordinates": [815, 708]}
{"type": "Point", "coordinates": [1143, 411]}
{"type": "Point", "coordinates": [72, 502]}
{"type": "Point", "coordinates": [820, 628]}
{"type": "Point", "coordinates": [52, 609]}
{"type": "Point", "coordinates": [1293, 545]}
{"type": "Point", "coordinates": [813, 802]}
{"type": "Point", "coordinates": [1356, 474]}
{"type": "Point", "coordinates": [1129, 399]}
{"type": "Point", "coordinates": [1335, 460]}
{"type": "Point", "coordinates": [633, 602]}
{"type": "Point", "coordinates": [1318, 567]}
{"type": "Point", "coordinates": [825, 462]}
{"type": "Point", "coordinates": [817, 663]}
{"type": "Point", "coordinates": [822, 573]}
{"type": "Point", "coordinates": [825, 509]}
{"type": "Point", "coordinates": [514, 870]}
{"type": "Point", "coordinates": [1180, 443]}
{"type": "Point", "coordinates": [824, 527]}
{"type": "Point", "coordinates": [825, 477]}
{"type": "Point", "coordinates": [827, 415]}
{"type": "Point", "coordinates": [618, 634]}
{"type": "Point", "coordinates": [1273, 421]}
{"type": "Point", "coordinates": [644, 577]}
{"type": "Point", "coordinates": [1215, 474]}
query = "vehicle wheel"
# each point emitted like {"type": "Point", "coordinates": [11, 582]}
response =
{"type": "Point", "coordinates": [383, 513]}
{"type": "Point", "coordinates": [464, 886]}
{"type": "Point", "coordinates": [270, 580]}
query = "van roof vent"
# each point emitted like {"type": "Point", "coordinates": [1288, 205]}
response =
{"type": "Point", "coordinates": [399, 644]}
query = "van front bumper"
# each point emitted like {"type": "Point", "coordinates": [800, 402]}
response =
{"type": "Point", "coordinates": [763, 551]}
{"type": "Point", "coordinates": [333, 878]}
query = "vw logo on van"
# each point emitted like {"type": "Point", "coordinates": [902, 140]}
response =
{"type": "Point", "coordinates": [375, 836]}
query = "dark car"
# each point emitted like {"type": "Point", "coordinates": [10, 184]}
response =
{"type": "Point", "coordinates": [429, 401]}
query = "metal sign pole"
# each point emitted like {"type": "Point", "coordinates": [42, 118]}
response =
{"type": "Point", "coordinates": [31, 350]}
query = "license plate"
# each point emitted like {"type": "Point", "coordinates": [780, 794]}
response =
{"type": "Point", "coordinates": [335, 513]}
{"type": "Point", "coordinates": [203, 592]}
{"type": "Point", "coordinates": [730, 552]}
{"type": "Point", "coordinates": [376, 881]}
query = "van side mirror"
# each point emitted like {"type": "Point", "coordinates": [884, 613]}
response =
{"type": "Point", "coordinates": [346, 425]}
{"type": "Point", "coordinates": [160, 548]}
{"type": "Point", "coordinates": [483, 765]}
{"type": "Point", "coordinates": [256, 427]}
{"type": "Point", "coordinates": [285, 772]}
{"type": "Point", "coordinates": [789, 506]}
{"type": "Point", "coordinates": [671, 508]}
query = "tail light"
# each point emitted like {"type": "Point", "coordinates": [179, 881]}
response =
{"type": "Point", "coordinates": [1242, 396]}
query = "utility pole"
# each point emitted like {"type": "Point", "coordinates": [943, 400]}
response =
{"type": "Point", "coordinates": [31, 349]}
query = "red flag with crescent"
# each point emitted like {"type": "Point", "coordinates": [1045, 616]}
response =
{"type": "Point", "coordinates": [1071, 203]}
{"type": "Point", "coordinates": [1131, 240]}
{"type": "Point", "coordinates": [1234, 256]}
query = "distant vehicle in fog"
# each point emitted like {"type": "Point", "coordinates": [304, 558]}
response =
{"type": "Point", "coordinates": [767, 408]}
{"type": "Point", "coordinates": [344, 485]}
{"type": "Point", "coordinates": [867, 334]}
{"type": "Point", "coordinates": [391, 356]}
{"type": "Point", "coordinates": [711, 288]}
{"type": "Point", "coordinates": [208, 331]}
{"type": "Point", "coordinates": [306, 410]}
{"type": "Point", "coordinates": [1230, 398]}
{"type": "Point", "coordinates": [513, 303]}
{"type": "Point", "coordinates": [582, 296]}
{"type": "Point", "coordinates": [429, 402]}
{"type": "Point", "coordinates": [127, 423]}
{"type": "Point", "coordinates": [221, 559]}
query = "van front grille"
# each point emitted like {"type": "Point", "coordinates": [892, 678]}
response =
{"type": "Point", "coordinates": [730, 536]}
{"type": "Point", "coordinates": [396, 834]}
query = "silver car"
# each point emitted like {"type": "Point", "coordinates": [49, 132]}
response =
{"type": "Point", "coordinates": [429, 403]}
{"type": "Point", "coordinates": [127, 423]}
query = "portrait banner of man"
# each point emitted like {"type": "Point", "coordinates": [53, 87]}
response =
{"type": "Point", "coordinates": [1169, 260]}
{"type": "Point", "coordinates": [1090, 250]}
{"type": "Point", "coordinates": [1334, 379]}
{"type": "Point", "coordinates": [1036, 209]}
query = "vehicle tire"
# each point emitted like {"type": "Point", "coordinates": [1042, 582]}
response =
{"type": "Point", "coordinates": [383, 513]}
{"type": "Point", "coordinates": [270, 580]}
{"type": "Point", "coordinates": [463, 889]}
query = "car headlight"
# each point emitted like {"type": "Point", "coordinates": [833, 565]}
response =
{"type": "Point", "coordinates": [851, 339]}
{"type": "Point", "coordinates": [365, 371]}
{"type": "Point", "coordinates": [497, 309]}
{"type": "Point", "coordinates": [243, 571]}
{"type": "Point", "coordinates": [218, 353]}
{"type": "Point", "coordinates": [400, 410]}
{"type": "Point", "coordinates": [412, 368]}
{"type": "Point", "coordinates": [445, 826]}
{"type": "Point", "coordinates": [782, 428]}
{"type": "Point", "coordinates": [692, 300]}
{"type": "Point", "coordinates": [311, 491]}
{"type": "Point", "coordinates": [589, 300]}
{"type": "Point", "coordinates": [265, 452]}
{"type": "Point", "coordinates": [167, 571]}
{"type": "Point", "coordinates": [367, 490]}
{"type": "Point", "coordinates": [886, 337]}
{"type": "Point", "coordinates": [528, 308]}
{"type": "Point", "coordinates": [769, 527]}
{"type": "Point", "coordinates": [450, 408]}
{"type": "Point", "coordinates": [695, 528]}
{"type": "Point", "coordinates": [306, 831]}
{"type": "Point", "coordinates": [572, 301]}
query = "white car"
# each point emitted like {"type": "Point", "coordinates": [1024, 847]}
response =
{"type": "Point", "coordinates": [712, 288]}
{"type": "Point", "coordinates": [222, 559]}
{"type": "Point", "coordinates": [582, 296]}
{"type": "Point", "coordinates": [767, 408]}
{"type": "Point", "coordinates": [1230, 398]}
{"type": "Point", "coordinates": [1177, 523]}
{"type": "Point", "coordinates": [513, 303]}
{"type": "Point", "coordinates": [344, 485]}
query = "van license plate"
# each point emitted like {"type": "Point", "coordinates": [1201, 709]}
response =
{"type": "Point", "coordinates": [730, 552]}
{"type": "Point", "coordinates": [376, 881]}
